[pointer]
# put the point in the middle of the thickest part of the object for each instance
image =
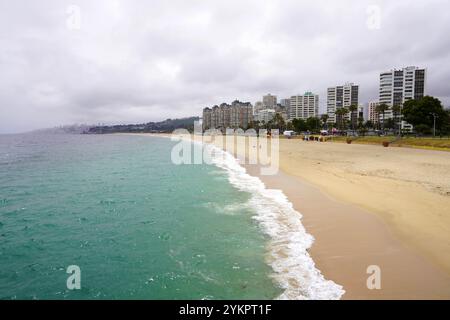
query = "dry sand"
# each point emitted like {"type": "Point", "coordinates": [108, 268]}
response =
{"type": "Point", "coordinates": [369, 205]}
{"type": "Point", "coordinates": [408, 188]}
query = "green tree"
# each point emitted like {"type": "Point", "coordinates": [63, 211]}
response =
{"type": "Point", "coordinates": [422, 129]}
{"type": "Point", "coordinates": [369, 125]}
{"type": "Point", "coordinates": [278, 122]}
{"type": "Point", "coordinates": [445, 130]}
{"type": "Point", "coordinates": [257, 125]}
{"type": "Point", "coordinates": [262, 124]}
{"type": "Point", "coordinates": [389, 124]}
{"type": "Point", "coordinates": [299, 125]}
{"type": "Point", "coordinates": [362, 130]}
{"type": "Point", "coordinates": [289, 126]}
{"type": "Point", "coordinates": [421, 113]}
{"type": "Point", "coordinates": [324, 118]}
{"type": "Point", "coordinates": [353, 109]}
{"type": "Point", "coordinates": [396, 110]}
{"type": "Point", "coordinates": [381, 109]}
{"type": "Point", "coordinates": [313, 124]}
{"type": "Point", "coordinates": [340, 114]}
{"type": "Point", "coordinates": [361, 122]}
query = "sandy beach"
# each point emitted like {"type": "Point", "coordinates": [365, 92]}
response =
{"type": "Point", "coordinates": [369, 205]}
{"type": "Point", "coordinates": [408, 188]}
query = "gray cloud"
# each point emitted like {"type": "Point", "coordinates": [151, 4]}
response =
{"type": "Point", "coordinates": [139, 61]}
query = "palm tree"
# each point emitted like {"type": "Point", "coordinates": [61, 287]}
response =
{"type": "Point", "coordinates": [324, 119]}
{"type": "Point", "coordinates": [289, 126]}
{"type": "Point", "coordinates": [360, 121]}
{"type": "Point", "coordinates": [397, 117]}
{"type": "Point", "coordinates": [279, 122]}
{"type": "Point", "coordinates": [340, 113]}
{"type": "Point", "coordinates": [381, 109]}
{"type": "Point", "coordinates": [369, 125]}
{"type": "Point", "coordinates": [353, 116]}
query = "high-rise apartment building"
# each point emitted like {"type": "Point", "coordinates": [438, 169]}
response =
{"type": "Point", "coordinates": [258, 106]}
{"type": "Point", "coordinates": [304, 106]}
{"type": "Point", "coordinates": [269, 101]}
{"type": "Point", "coordinates": [373, 115]}
{"type": "Point", "coordinates": [286, 104]}
{"type": "Point", "coordinates": [341, 97]}
{"type": "Point", "coordinates": [399, 86]}
{"type": "Point", "coordinates": [237, 115]}
{"type": "Point", "coordinates": [265, 115]}
{"type": "Point", "coordinates": [206, 118]}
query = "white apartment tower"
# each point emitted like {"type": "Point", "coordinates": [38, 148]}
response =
{"type": "Point", "coordinates": [304, 106]}
{"type": "Point", "coordinates": [399, 86]}
{"type": "Point", "coordinates": [264, 116]}
{"type": "Point", "coordinates": [341, 97]}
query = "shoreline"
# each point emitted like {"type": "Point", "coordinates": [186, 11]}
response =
{"type": "Point", "coordinates": [402, 193]}
{"type": "Point", "coordinates": [287, 250]}
{"type": "Point", "coordinates": [349, 236]}
{"type": "Point", "coordinates": [348, 239]}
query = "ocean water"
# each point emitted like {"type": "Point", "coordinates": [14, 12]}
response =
{"type": "Point", "coordinates": [140, 227]}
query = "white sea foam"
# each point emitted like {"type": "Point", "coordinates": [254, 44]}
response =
{"type": "Point", "coordinates": [294, 269]}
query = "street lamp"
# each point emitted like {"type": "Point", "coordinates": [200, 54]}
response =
{"type": "Point", "coordinates": [434, 123]}
{"type": "Point", "coordinates": [400, 124]}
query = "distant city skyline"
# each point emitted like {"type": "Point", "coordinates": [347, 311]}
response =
{"type": "Point", "coordinates": [133, 62]}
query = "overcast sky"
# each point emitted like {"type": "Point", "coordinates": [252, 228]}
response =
{"type": "Point", "coordinates": [64, 62]}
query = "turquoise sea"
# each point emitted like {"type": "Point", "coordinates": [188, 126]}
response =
{"type": "Point", "coordinates": [137, 225]}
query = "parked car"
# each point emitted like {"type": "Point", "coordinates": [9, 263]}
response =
{"type": "Point", "coordinates": [289, 133]}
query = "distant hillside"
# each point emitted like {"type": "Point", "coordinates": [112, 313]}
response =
{"type": "Point", "coordinates": [168, 125]}
{"type": "Point", "coordinates": [68, 129]}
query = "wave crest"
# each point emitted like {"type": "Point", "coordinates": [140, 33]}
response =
{"type": "Point", "coordinates": [294, 269]}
